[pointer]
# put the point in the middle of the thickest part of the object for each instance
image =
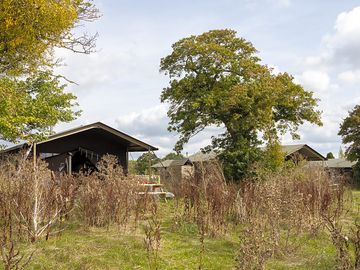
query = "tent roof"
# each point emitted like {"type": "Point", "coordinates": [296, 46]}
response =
{"type": "Point", "coordinates": [303, 149]}
{"type": "Point", "coordinates": [171, 163]}
{"type": "Point", "coordinates": [340, 163]}
{"type": "Point", "coordinates": [97, 137]}
{"type": "Point", "coordinates": [201, 156]}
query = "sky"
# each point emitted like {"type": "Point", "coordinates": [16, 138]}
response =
{"type": "Point", "coordinates": [318, 42]}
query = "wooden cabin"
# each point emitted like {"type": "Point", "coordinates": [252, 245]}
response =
{"type": "Point", "coordinates": [82, 147]}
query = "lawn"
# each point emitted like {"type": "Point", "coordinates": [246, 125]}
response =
{"type": "Point", "coordinates": [114, 248]}
{"type": "Point", "coordinates": [78, 247]}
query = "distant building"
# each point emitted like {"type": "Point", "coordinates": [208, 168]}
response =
{"type": "Point", "coordinates": [173, 170]}
{"type": "Point", "coordinates": [301, 151]}
{"type": "Point", "coordinates": [203, 156]}
{"type": "Point", "coordinates": [337, 166]}
{"type": "Point", "coordinates": [291, 151]}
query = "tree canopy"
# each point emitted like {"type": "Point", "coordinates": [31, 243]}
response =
{"type": "Point", "coordinates": [31, 29]}
{"type": "Point", "coordinates": [341, 153]}
{"type": "Point", "coordinates": [28, 108]}
{"type": "Point", "coordinates": [350, 132]}
{"type": "Point", "coordinates": [330, 155]}
{"type": "Point", "coordinates": [33, 99]}
{"type": "Point", "coordinates": [143, 162]}
{"type": "Point", "coordinates": [173, 156]}
{"type": "Point", "coordinates": [217, 79]}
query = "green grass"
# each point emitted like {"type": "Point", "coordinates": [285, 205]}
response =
{"type": "Point", "coordinates": [313, 253]}
{"type": "Point", "coordinates": [113, 248]}
{"type": "Point", "coordinates": [97, 248]}
{"type": "Point", "coordinates": [317, 252]}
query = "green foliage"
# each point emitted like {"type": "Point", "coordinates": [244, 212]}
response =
{"type": "Point", "coordinates": [131, 167]}
{"type": "Point", "coordinates": [350, 133]}
{"type": "Point", "coordinates": [217, 79]}
{"type": "Point", "coordinates": [31, 29]}
{"type": "Point", "coordinates": [32, 99]}
{"type": "Point", "coordinates": [273, 158]}
{"type": "Point", "coordinates": [143, 162]}
{"type": "Point", "coordinates": [341, 153]}
{"type": "Point", "coordinates": [173, 156]}
{"type": "Point", "coordinates": [330, 155]}
{"type": "Point", "coordinates": [238, 157]}
{"type": "Point", "coordinates": [30, 107]}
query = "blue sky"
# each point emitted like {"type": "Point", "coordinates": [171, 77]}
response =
{"type": "Point", "coordinates": [318, 42]}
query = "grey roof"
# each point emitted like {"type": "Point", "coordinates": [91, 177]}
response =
{"type": "Point", "coordinates": [200, 156]}
{"type": "Point", "coordinates": [171, 163]}
{"type": "Point", "coordinates": [163, 164]}
{"type": "Point", "coordinates": [287, 149]}
{"type": "Point", "coordinates": [303, 149]}
{"type": "Point", "coordinates": [132, 143]}
{"type": "Point", "coordinates": [340, 163]}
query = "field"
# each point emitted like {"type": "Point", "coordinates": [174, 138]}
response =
{"type": "Point", "coordinates": [119, 248]}
{"type": "Point", "coordinates": [295, 219]}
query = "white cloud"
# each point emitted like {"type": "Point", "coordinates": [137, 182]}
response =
{"type": "Point", "coordinates": [341, 48]}
{"type": "Point", "coordinates": [151, 124]}
{"type": "Point", "coordinates": [314, 80]}
{"type": "Point", "coordinates": [255, 4]}
{"type": "Point", "coordinates": [274, 69]}
{"type": "Point", "coordinates": [350, 76]}
{"type": "Point", "coordinates": [343, 45]}
{"type": "Point", "coordinates": [282, 3]}
{"type": "Point", "coordinates": [146, 123]}
{"type": "Point", "coordinates": [347, 29]}
{"type": "Point", "coordinates": [333, 74]}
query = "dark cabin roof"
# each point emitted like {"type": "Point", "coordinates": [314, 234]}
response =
{"type": "Point", "coordinates": [172, 163]}
{"type": "Point", "coordinates": [97, 137]}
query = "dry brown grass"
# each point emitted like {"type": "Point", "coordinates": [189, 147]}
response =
{"type": "Point", "coordinates": [271, 214]}
{"type": "Point", "coordinates": [276, 212]}
{"type": "Point", "coordinates": [206, 198]}
{"type": "Point", "coordinates": [33, 201]}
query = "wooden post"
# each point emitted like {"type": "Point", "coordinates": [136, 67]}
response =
{"type": "Point", "coordinates": [127, 161]}
{"type": "Point", "coordinates": [70, 164]}
{"type": "Point", "coordinates": [34, 154]}
{"type": "Point", "coordinates": [149, 165]}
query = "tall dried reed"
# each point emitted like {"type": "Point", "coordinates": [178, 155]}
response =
{"type": "Point", "coordinates": [276, 211]}
{"type": "Point", "coordinates": [205, 198]}
{"type": "Point", "coordinates": [108, 196]}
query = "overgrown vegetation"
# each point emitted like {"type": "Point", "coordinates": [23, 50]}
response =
{"type": "Point", "coordinates": [211, 224]}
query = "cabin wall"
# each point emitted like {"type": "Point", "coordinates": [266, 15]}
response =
{"type": "Point", "coordinates": [55, 163]}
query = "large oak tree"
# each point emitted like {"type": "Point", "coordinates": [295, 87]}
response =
{"type": "Point", "coordinates": [217, 78]}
